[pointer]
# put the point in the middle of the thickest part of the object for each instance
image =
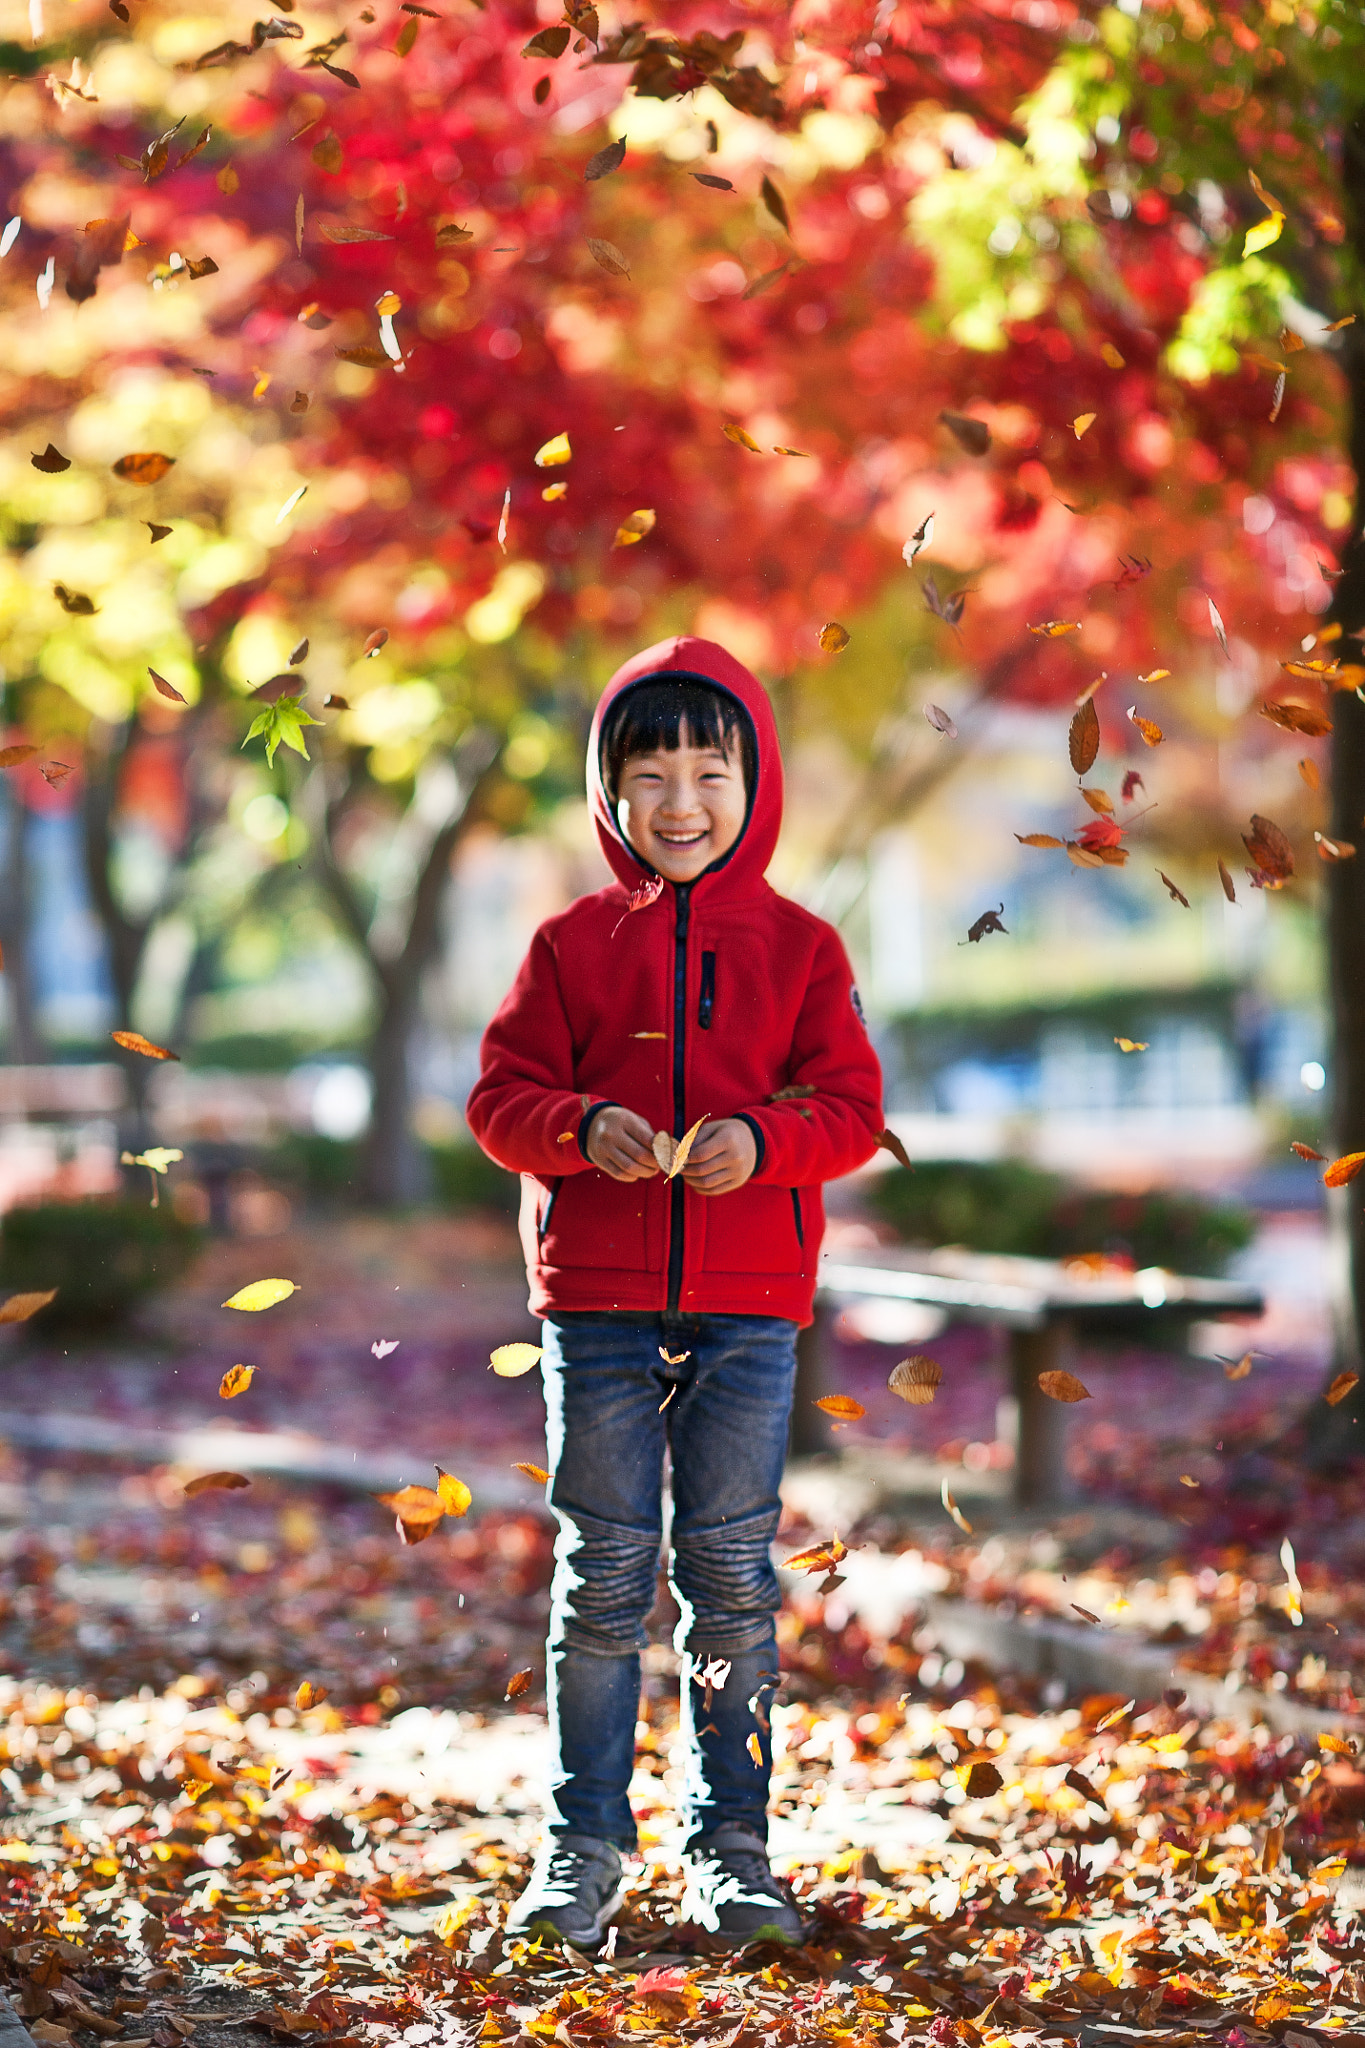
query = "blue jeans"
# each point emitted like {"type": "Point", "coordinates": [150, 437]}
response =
{"type": "Point", "coordinates": [721, 1411]}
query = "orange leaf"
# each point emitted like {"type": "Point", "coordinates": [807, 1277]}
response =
{"type": "Point", "coordinates": [1344, 1169]}
{"type": "Point", "coordinates": [519, 1682]}
{"type": "Point", "coordinates": [1083, 738]}
{"type": "Point", "coordinates": [536, 1472]}
{"type": "Point", "coordinates": [133, 1041]}
{"type": "Point", "coordinates": [19, 1307]}
{"type": "Point", "coordinates": [143, 469]}
{"type": "Point", "coordinates": [213, 1482]}
{"type": "Point", "coordinates": [843, 1406]}
{"type": "Point", "coordinates": [236, 1380]}
{"type": "Point", "coordinates": [1305, 1151]}
{"type": "Point", "coordinates": [1062, 1386]}
{"type": "Point", "coordinates": [1345, 1383]}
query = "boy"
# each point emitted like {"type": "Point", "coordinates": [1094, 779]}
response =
{"type": "Point", "coordinates": [671, 1306]}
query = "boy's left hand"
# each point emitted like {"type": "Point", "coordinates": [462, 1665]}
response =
{"type": "Point", "coordinates": [722, 1157]}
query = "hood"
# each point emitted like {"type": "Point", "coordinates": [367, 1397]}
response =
{"type": "Point", "coordinates": [741, 870]}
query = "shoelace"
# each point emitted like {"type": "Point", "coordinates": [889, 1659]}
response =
{"type": "Point", "coordinates": [747, 1868]}
{"type": "Point", "coordinates": [568, 1868]}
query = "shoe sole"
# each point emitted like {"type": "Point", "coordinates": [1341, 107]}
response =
{"type": "Point", "coordinates": [589, 1943]}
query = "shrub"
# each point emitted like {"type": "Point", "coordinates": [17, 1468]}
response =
{"type": "Point", "coordinates": [101, 1256]}
{"type": "Point", "coordinates": [1004, 1206]}
{"type": "Point", "coordinates": [463, 1177]}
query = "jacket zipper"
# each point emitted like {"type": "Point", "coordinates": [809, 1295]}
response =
{"type": "Point", "coordinates": [677, 1191]}
{"type": "Point", "coordinates": [706, 1000]}
{"type": "Point", "coordinates": [796, 1218]}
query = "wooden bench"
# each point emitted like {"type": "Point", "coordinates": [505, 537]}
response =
{"type": "Point", "coordinates": [1045, 1306]}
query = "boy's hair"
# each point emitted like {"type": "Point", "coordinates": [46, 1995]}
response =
{"type": "Point", "coordinates": [654, 714]}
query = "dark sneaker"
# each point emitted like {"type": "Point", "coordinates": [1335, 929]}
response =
{"type": "Point", "coordinates": [572, 1893]}
{"type": "Point", "coordinates": [732, 1892]}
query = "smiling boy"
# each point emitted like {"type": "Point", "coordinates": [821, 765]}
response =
{"type": "Point", "coordinates": [671, 1306]}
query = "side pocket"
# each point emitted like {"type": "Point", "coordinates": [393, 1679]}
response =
{"type": "Point", "coordinates": [796, 1218]}
{"type": "Point", "coordinates": [706, 999]}
{"type": "Point", "coordinates": [543, 1220]}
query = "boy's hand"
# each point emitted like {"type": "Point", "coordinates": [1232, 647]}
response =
{"type": "Point", "coordinates": [722, 1158]}
{"type": "Point", "coordinates": [619, 1142]}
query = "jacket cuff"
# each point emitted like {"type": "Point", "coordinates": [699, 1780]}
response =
{"type": "Point", "coordinates": [585, 1124]}
{"type": "Point", "coordinates": [759, 1140]}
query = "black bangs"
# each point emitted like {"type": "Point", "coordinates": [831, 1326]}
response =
{"type": "Point", "coordinates": [655, 715]}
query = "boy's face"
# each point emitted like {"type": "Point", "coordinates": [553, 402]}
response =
{"type": "Point", "coordinates": [682, 808]}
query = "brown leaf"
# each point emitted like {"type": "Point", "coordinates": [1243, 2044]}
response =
{"type": "Point", "coordinates": [1083, 738]}
{"type": "Point", "coordinates": [605, 162]}
{"type": "Point", "coordinates": [201, 266]}
{"type": "Point", "coordinates": [343, 232]}
{"type": "Point", "coordinates": [101, 244]}
{"type": "Point", "coordinates": [973, 435]}
{"type": "Point", "coordinates": [520, 1682]}
{"type": "Point", "coordinates": [452, 233]}
{"type": "Point", "coordinates": [1176, 895]}
{"type": "Point", "coordinates": [1099, 801]}
{"type": "Point", "coordinates": [916, 1380]}
{"type": "Point", "coordinates": [989, 921]}
{"type": "Point", "coordinates": [1269, 848]}
{"type": "Point", "coordinates": [144, 469]}
{"type": "Point", "coordinates": [52, 462]}
{"type": "Point", "coordinates": [374, 641]}
{"type": "Point", "coordinates": [834, 638]}
{"type": "Point", "coordinates": [1038, 839]}
{"type": "Point", "coordinates": [980, 1780]}
{"type": "Point", "coordinates": [672, 1153]}
{"type": "Point", "coordinates": [74, 601]}
{"type": "Point", "coordinates": [1297, 718]}
{"type": "Point", "coordinates": [1238, 1368]}
{"type": "Point", "coordinates": [1226, 879]}
{"type": "Point", "coordinates": [775, 203]}
{"type": "Point", "coordinates": [19, 1307]}
{"type": "Point", "coordinates": [887, 1141]}
{"type": "Point", "coordinates": [133, 1041]}
{"type": "Point", "coordinates": [235, 1381]}
{"type": "Point", "coordinates": [820, 1557]}
{"type": "Point", "coordinates": [364, 357]}
{"type": "Point", "coordinates": [165, 689]}
{"type": "Point", "coordinates": [1345, 1383]}
{"type": "Point", "coordinates": [1305, 1151]}
{"type": "Point", "coordinates": [842, 1406]}
{"type": "Point", "coordinates": [551, 42]}
{"type": "Point", "coordinates": [326, 153]}
{"type": "Point", "coordinates": [1062, 1386]}
{"type": "Point", "coordinates": [1151, 732]}
{"type": "Point", "coordinates": [608, 256]}
{"type": "Point", "coordinates": [11, 757]}
{"type": "Point", "coordinates": [216, 1482]}
{"type": "Point", "coordinates": [157, 532]}
{"type": "Point", "coordinates": [710, 178]}
{"type": "Point", "coordinates": [740, 437]}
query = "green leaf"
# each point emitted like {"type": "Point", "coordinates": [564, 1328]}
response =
{"type": "Point", "coordinates": [282, 724]}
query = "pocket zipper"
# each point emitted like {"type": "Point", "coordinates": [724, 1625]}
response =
{"type": "Point", "coordinates": [797, 1218]}
{"type": "Point", "coordinates": [548, 1212]}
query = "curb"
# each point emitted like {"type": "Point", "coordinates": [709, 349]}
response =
{"type": "Point", "coordinates": [1108, 1660]}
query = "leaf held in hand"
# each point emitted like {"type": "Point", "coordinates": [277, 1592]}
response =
{"type": "Point", "coordinates": [842, 1406]}
{"type": "Point", "coordinates": [834, 638]}
{"type": "Point", "coordinates": [259, 1294]}
{"type": "Point", "coordinates": [971, 434]}
{"type": "Point", "coordinates": [520, 1682]}
{"type": "Point", "coordinates": [887, 1141]}
{"type": "Point", "coordinates": [1063, 1386]}
{"type": "Point", "coordinates": [916, 1380]}
{"type": "Point", "coordinates": [216, 1482]}
{"type": "Point", "coordinates": [1083, 738]}
{"type": "Point", "coordinates": [235, 1381]}
{"type": "Point", "coordinates": [510, 1361]}
{"type": "Point", "coordinates": [672, 1154]}
{"type": "Point", "coordinates": [607, 256]}
{"type": "Point", "coordinates": [19, 1307]}
{"type": "Point", "coordinates": [147, 468]}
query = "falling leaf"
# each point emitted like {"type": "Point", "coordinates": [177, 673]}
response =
{"type": "Point", "coordinates": [165, 689]}
{"type": "Point", "coordinates": [344, 232]}
{"type": "Point", "coordinates": [536, 1472]}
{"type": "Point", "coordinates": [1054, 629]}
{"type": "Point", "coordinates": [406, 37]}
{"type": "Point", "coordinates": [52, 462]}
{"type": "Point", "coordinates": [259, 1294]}
{"type": "Point", "coordinates": [551, 42]}
{"type": "Point", "coordinates": [54, 773]}
{"type": "Point", "coordinates": [1269, 848]}
{"type": "Point", "coordinates": [1298, 718]}
{"type": "Point", "coordinates": [1132, 781]}
{"type": "Point", "coordinates": [1238, 1368]}
{"type": "Point", "coordinates": [216, 1482]}
{"type": "Point", "coordinates": [755, 1749]}
{"type": "Point", "coordinates": [1186, 1480]}
{"type": "Point", "coordinates": [1262, 234]}
{"type": "Point", "coordinates": [236, 1380]}
{"type": "Point", "coordinates": [954, 1510]}
{"type": "Point", "coordinates": [157, 532]}
{"type": "Point", "coordinates": [133, 1041]}
{"type": "Point", "coordinates": [1226, 879]}
{"type": "Point", "coordinates": [383, 1346]}
{"type": "Point", "coordinates": [1176, 895]}
{"type": "Point", "coordinates": [103, 243]}
{"type": "Point", "coordinates": [649, 1034]}
{"type": "Point", "coordinates": [1277, 397]}
{"type": "Point", "coordinates": [1082, 421]}
{"type": "Point", "coordinates": [510, 1361]}
{"type": "Point", "coordinates": [940, 721]}
{"type": "Point", "coordinates": [519, 1682]}
{"type": "Point", "coordinates": [1343, 1170]}
{"type": "Point", "coordinates": [364, 357]}
{"type": "Point", "coordinates": [834, 638]}
{"type": "Point", "coordinates": [19, 1307]}
{"type": "Point", "coordinates": [887, 1141]}
{"type": "Point", "coordinates": [1114, 1715]}
{"type": "Point", "coordinates": [75, 601]}
{"type": "Point", "coordinates": [1295, 1590]}
{"type": "Point", "coordinates": [1083, 738]}
{"type": "Point", "coordinates": [11, 757]}
{"type": "Point", "coordinates": [761, 284]}
{"type": "Point", "coordinates": [228, 180]}
{"type": "Point", "coordinates": [1151, 732]}
{"type": "Point", "coordinates": [916, 1380]}
{"type": "Point", "coordinates": [716, 184]}
{"type": "Point", "coordinates": [1062, 1386]}
{"type": "Point", "coordinates": [1334, 849]}
{"type": "Point", "coordinates": [672, 1154]}
{"type": "Point", "coordinates": [973, 435]}
{"type": "Point", "coordinates": [843, 1406]}
{"type": "Point", "coordinates": [306, 1696]}
{"type": "Point", "coordinates": [326, 154]}
{"type": "Point", "coordinates": [334, 703]}
{"type": "Point", "coordinates": [1305, 1151]}
{"type": "Point", "coordinates": [989, 921]}
{"type": "Point", "coordinates": [1086, 1614]}
{"type": "Point", "coordinates": [1339, 1745]}
{"type": "Point", "coordinates": [417, 1510]}
{"type": "Point", "coordinates": [820, 1557]}
{"type": "Point", "coordinates": [775, 203]}
{"type": "Point", "coordinates": [1131, 1045]}
{"type": "Point", "coordinates": [1099, 800]}
{"type": "Point", "coordinates": [552, 493]}
{"type": "Point", "coordinates": [608, 256]}
{"type": "Point", "coordinates": [633, 528]}
{"type": "Point", "coordinates": [740, 438]}
{"type": "Point", "coordinates": [644, 893]}
{"type": "Point", "coordinates": [452, 233]}
{"type": "Point", "coordinates": [1219, 630]}
{"type": "Point", "coordinates": [454, 1494]}
{"type": "Point", "coordinates": [919, 540]}
{"type": "Point", "coordinates": [1038, 839]}
{"type": "Point", "coordinates": [143, 469]}
{"type": "Point", "coordinates": [801, 452]}
{"type": "Point", "coordinates": [552, 453]}
{"type": "Point", "coordinates": [606, 160]}
{"type": "Point", "coordinates": [1309, 771]}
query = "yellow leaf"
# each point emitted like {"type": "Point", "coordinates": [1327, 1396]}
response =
{"type": "Point", "coordinates": [672, 1154]}
{"type": "Point", "coordinates": [259, 1294]}
{"type": "Point", "coordinates": [552, 493]}
{"type": "Point", "coordinates": [634, 528]}
{"type": "Point", "coordinates": [1131, 1044]}
{"type": "Point", "coordinates": [834, 637]}
{"type": "Point", "coordinates": [455, 1495]}
{"type": "Point", "coordinates": [755, 1749]}
{"type": "Point", "coordinates": [236, 1380]}
{"type": "Point", "coordinates": [19, 1307]}
{"type": "Point", "coordinates": [551, 454]}
{"type": "Point", "coordinates": [536, 1472]}
{"type": "Point", "coordinates": [1262, 234]}
{"type": "Point", "coordinates": [1053, 629]}
{"type": "Point", "coordinates": [740, 438]}
{"type": "Point", "coordinates": [1082, 421]}
{"type": "Point", "coordinates": [510, 1361]}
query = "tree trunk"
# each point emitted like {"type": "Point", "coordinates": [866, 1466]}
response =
{"type": "Point", "coordinates": [1335, 1433]}
{"type": "Point", "coordinates": [25, 1040]}
{"type": "Point", "coordinates": [392, 1169]}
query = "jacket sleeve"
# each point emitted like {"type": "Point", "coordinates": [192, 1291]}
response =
{"type": "Point", "coordinates": [820, 1136]}
{"type": "Point", "coordinates": [524, 1110]}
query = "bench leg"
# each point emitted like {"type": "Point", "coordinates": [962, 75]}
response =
{"type": "Point", "coordinates": [1040, 1475]}
{"type": "Point", "coordinates": [810, 1430]}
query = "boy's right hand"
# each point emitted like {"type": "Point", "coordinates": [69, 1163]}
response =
{"type": "Point", "coordinates": [619, 1142]}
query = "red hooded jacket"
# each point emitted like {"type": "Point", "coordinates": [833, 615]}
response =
{"type": "Point", "coordinates": [750, 996]}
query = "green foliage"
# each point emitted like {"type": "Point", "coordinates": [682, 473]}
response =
{"type": "Point", "coordinates": [1227, 309]}
{"type": "Point", "coordinates": [1004, 1206]}
{"type": "Point", "coordinates": [102, 1256]}
{"type": "Point", "coordinates": [282, 724]}
{"type": "Point", "coordinates": [466, 1178]}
